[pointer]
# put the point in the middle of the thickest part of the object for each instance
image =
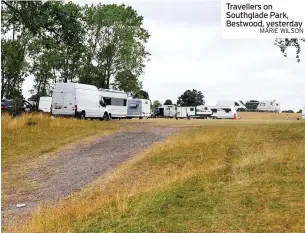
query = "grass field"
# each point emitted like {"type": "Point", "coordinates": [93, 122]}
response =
{"type": "Point", "coordinates": [30, 136]}
{"type": "Point", "coordinates": [38, 136]}
{"type": "Point", "coordinates": [212, 178]}
{"type": "Point", "coordinates": [268, 116]}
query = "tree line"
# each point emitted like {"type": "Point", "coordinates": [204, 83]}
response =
{"type": "Point", "coordinates": [101, 45]}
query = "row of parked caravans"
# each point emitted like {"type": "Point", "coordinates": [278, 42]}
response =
{"type": "Point", "coordinates": [86, 101]}
{"type": "Point", "coordinates": [203, 111]}
{"type": "Point", "coordinates": [262, 106]}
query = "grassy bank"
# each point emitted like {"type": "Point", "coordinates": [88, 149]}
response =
{"type": "Point", "coordinates": [30, 136]}
{"type": "Point", "coordinates": [234, 178]}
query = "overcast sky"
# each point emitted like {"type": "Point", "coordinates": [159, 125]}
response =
{"type": "Point", "coordinates": [189, 53]}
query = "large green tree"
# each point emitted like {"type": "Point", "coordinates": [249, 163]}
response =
{"type": "Point", "coordinates": [168, 102]}
{"type": "Point", "coordinates": [142, 95]}
{"type": "Point", "coordinates": [191, 98]}
{"type": "Point", "coordinates": [116, 47]}
{"type": "Point", "coordinates": [102, 45]}
{"type": "Point", "coordinates": [156, 104]}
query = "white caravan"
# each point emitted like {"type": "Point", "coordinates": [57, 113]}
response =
{"type": "Point", "coordinates": [183, 112]}
{"type": "Point", "coordinates": [78, 100]}
{"type": "Point", "coordinates": [236, 103]}
{"type": "Point", "coordinates": [216, 112]}
{"type": "Point", "coordinates": [204, 111]}
{"type": "Point", "coordinates": [268, 106]}
{"type": "Point", "coordinates": [303, 113]}
{"type": "Point", "coordinates": [45, 103]}
{"type": "Point", "coordinates": [169, 110]}
{"type": "Point", "coordinates": [138, 108]}
{"type": "Point", "coordinates": [116, 102]}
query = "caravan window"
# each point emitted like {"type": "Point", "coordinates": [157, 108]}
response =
{"type": "Point", "coordinates": [133, 105]}
{"type": "Point", "coordinates": [236, 104]}
{"type": "Point", "coordinates": [227, 110]}
{"type": "Point", "coordinates": [192, 109]}
{"type": "Point", "coordinates": [125, 102]}
{"type": "Point", "coordinates": [117, 102]}
{"type": "Point", "coordinates": [262, 104]}
{"type": "Point", "coordinates": [146, 102]}
{"type": "Point", "coordinates": [107, 100]}
{"type": "Point", "coordinates": [271, 103]}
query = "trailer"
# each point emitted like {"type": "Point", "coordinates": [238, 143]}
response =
{"type": "Point", "coordinates": [166, 111]}
{"type": "Point", "coordinates": [303, 113]}
{"type": "Point", "coordinates": [138, 108]}
{"type": "Point", "coordinates": [268, 106]}
{"type": "Point", "coordinates": [204, 111]}
{"type": "Point", "coordinates": [186, 112]}
{"type": "Point", "coordinates": [216, 112]}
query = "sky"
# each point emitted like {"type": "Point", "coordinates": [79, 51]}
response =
{"type": "Point", "coordinates": [188, 52]}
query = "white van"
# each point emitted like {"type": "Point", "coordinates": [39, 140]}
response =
{"type": "Point", "coordinates": [116, 102]}
{"type": "Point", "coordinates": [224, 112]}
{"type": "Point", "coordinates": [303, 113]}
{"type": "Point", "coordinates": [45, 103]}
{"type": "Point", "coordinates": [138, 108]}
{"type": "Point", "coordinates": [78, 100]}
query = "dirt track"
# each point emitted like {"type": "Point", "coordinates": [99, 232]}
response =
{"type": "Point", "coordinates": [76, 167]}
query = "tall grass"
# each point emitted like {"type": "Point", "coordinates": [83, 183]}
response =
{"type": "Point", "coordinates": [234, 178]}
{"type": "Point", "coordinates": [29, 136]}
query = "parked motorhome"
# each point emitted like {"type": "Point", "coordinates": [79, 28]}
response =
{"type": "Point", "coordinates": [45, 103]}
{"type": "Point", "coordinates": [216, 112]}
{"type": "Point", "coordinates": [138, 108]}
{"type": "Point", "coordinates": [116, 102]}
{"type": "Point", "coordinates": [269, 106]}
{"type": "Point", "coordinates": [78, 100]}
{"type": "Point", "coordinates": [303, 113]}
{"type": "Point", "coordinates": [239, 106]}
{"type": "Point", "coordinates": [183, 112]}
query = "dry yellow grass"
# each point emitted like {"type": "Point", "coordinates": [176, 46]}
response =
{"type": "Point", "coordinates": [268, 116]}
{"type": "Point", "coordinates": [37, 137]}
{"type": "Point", "coordinates": [29, 136]}
{"type": "Point", "coordinates": [225, 178]}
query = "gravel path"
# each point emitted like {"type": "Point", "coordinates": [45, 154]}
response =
{"type": "Point", "coordinates": [76, 167]}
